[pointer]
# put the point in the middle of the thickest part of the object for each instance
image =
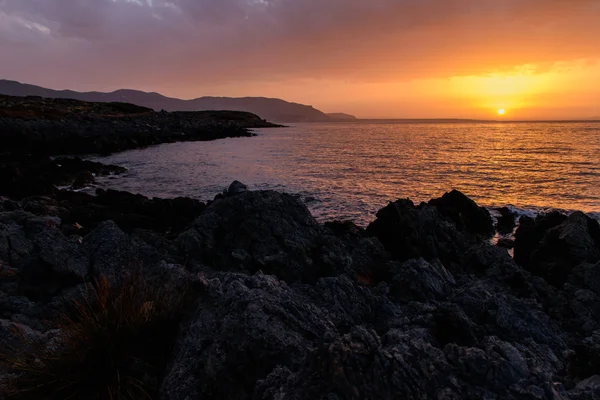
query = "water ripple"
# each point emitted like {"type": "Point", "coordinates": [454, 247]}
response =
{"type": "Point", "coordinates": [350, 171]}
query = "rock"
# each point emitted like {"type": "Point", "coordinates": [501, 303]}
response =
{"type": "Point", "coordinates": [84, 179]}
{"type": "Point", "coordinates": [236, 188]}
{"type": "Point", "coordinates": [273, 231]}
{"type": "Point", "coordinates": [506, 243]}
{"type": "Point", "coordinates": [243, 329]}
{"type": "Point", "coordinates": [408, 232]}
{"type": "Point", "coordinates": [565, 246]}
{"type": "Point", "coordinates": [418, 280]}
{"type": "Point", "coordinates": [129, 211]}
{"type": "Point", "coordinates": [359, 366]}
{"type": "Point", "coordinates": [465, 213]}
{"type": "Point", "coordinates": [111, 251]}
{"type": "Point", "coordinates": [453, 326]}
{"type": "Point", "coordinates": [63, 126]}
{"type": "Point", "coordinates": [46, 261]}
{"type": "Point", "coordinates": [506, 222]}
{"type": "Point", "coordinates": [530, 233]}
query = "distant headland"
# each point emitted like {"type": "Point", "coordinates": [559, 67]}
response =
{"type": "Point", "coordinates": [271, 109]}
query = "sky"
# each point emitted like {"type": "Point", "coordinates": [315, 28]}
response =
{"type": "Point", "coordinates": [536, 59]}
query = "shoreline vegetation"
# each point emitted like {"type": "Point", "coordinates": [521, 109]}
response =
{"type": "Point", "coordinates": [248, 297]}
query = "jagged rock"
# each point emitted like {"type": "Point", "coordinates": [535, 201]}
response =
{"type": "Point", "coordinates": [512, 319]}
{"type": "Point", "coordinates": [419, 305]}
{"type": "Point", "coordinates": [243, 329]}
{"type": "Point", "coordinates": [236, 188]}
{"type": "Point", "coordinates": [465, 213]}
{"type": "Point", "coordinates": [111, 251]}
{"type": "Point", "coordinates": [267, 231]}
{"type": "Point", "coordinates": [565, 246]}
{"type": "Point", "coordinates": [418, 280]}
{"type": "Point", "coordinates": [530, 233]}
{"type": "Point", "coordinates": [45, 259]}
{"type": "Point", "coordinates": [408, 232]}
{"type": "Point", "coordinates": [506, 222]}
{"type": "Point", "coordinates": [506, 243]}
{"type": "Point", "coordinates": [586, 389]}
{"type": "Point", "coordinates": [453, 326]}
{"type": "Point", "coordinates": [83, 180]}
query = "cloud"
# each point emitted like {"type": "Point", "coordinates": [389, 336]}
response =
{"type": "Point", "coordinates": [173, 43]}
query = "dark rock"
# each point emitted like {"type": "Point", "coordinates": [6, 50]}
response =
{"type": "Point", "coordinates": [128, 211]}
{"type": "Point", "coordinates": [267, 231]}
{"type": "Point", "coordinates": [584, 360]}
{"type": "Point", "coordinates": [530, 233]}
{"type": "Point", "coordinates": [40, 126]}
{"type": "Point", "coordinates": [465, 213]}
{"type": "Point", "coordinates": [236, 188]}
{"type": "Point", "coordinates": [506, 243]}
{"type": "Point", "coordinates": [565, 246]}
{"type": "Point", "coordinates": [111, 251]}
{"type": "Point", "coordinates": [84, 179]}
{"type": "Point", "coordinates": [418, 280]}
{"type": "Point", "coordinates": [408, 232]}
{"type": "Point", "coordinates": [453, 326]}
{"type": "Point", "coordinates": [506, 222]}
{"type": "Point", "coordinates": [345, 229]}
{"type": "Point", "coordinates": [243, 329]}
{"type": "Point", "coordinates": [419, 305]}
{"type": "Point", "coordinates": [46, 261]}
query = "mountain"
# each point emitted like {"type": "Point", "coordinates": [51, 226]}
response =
{"type": "Point", "coordinates": [275, 110]}
{"type": "Point", "coordinates": [341, 116]}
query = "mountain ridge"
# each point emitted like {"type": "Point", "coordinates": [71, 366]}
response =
{"type": "Point", "coordinates": [272, 109]}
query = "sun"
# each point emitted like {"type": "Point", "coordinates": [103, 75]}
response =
{"type": "Point", "coordinates": [501, 111]}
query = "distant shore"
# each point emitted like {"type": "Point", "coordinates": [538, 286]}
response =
{"type": "Point", "coordinates": [35, 125]}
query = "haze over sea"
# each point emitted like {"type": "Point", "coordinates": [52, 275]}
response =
{"type": "Point", "coordinates": [351, 170]}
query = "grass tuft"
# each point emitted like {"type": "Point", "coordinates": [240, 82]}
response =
{"type": "Point", "coordinates": [113, 344]}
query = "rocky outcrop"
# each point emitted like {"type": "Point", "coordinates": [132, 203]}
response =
{"type": "Point", "coordinates": [419, 305]}
{"type": "Point", "coordinates": [41, 126]}
{"type": "Point", "coordinates": [34, 176]}
{"type": "Point", "coordinates": [560, 246]}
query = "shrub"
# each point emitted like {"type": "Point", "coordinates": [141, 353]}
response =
{"type": "Point", "coordinates": [114, 344]}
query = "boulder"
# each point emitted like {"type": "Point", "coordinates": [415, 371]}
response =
{"type": "Point", "coordinates": [111, 251]}
{"type": "Point", "coordinates": [45, 260]}
{"type": "Point", "coordinates": [236, 188]}
{"type": "Point", "coordinates": [506, 221]}
{"type": "Point", "coordinates": [465, 213]}
{"type": "Point", "coordinates": [561, 248]}
{"type": "Point", "coordinates": [408, 232]}
{"type": "Point", "coordinates": [264, 230]}
{"type": "Point", "coordinates": [83, 180]}
{"type": "Point", "coordinates": [530, 233]}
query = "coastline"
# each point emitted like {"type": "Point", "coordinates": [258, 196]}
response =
{"type": "Point", "coordinates": [419, 304]}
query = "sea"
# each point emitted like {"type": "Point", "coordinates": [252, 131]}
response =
{"type": "Point", "coordinates": [350, 170]}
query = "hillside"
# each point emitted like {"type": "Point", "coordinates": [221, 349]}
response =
{"type": "Point", "coordinates": [275, 110]}
{"type": "Point", "coordinates": [341, 117]}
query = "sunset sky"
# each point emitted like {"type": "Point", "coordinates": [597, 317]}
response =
{"type": "Point", "coordinates": [537, 59]}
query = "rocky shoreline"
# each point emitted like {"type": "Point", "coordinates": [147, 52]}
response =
{"type": "Point", "coordinates": [418, 305]}
{"type": "Point", "coordinates": [41, 126]}
{"type": "Point", "coordinates": [249, 297]}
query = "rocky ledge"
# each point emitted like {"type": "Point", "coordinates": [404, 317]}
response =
{"type": "Point", "coordinates": [418, 305]}
{"type": "Point", "coordinates": [36, 125]}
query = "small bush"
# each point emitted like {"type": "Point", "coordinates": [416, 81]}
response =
{"type": "Point", "coordinates": [114, 344]}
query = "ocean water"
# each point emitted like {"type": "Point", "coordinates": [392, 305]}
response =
{"type": "Point", "coordinates": [351, 170]}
